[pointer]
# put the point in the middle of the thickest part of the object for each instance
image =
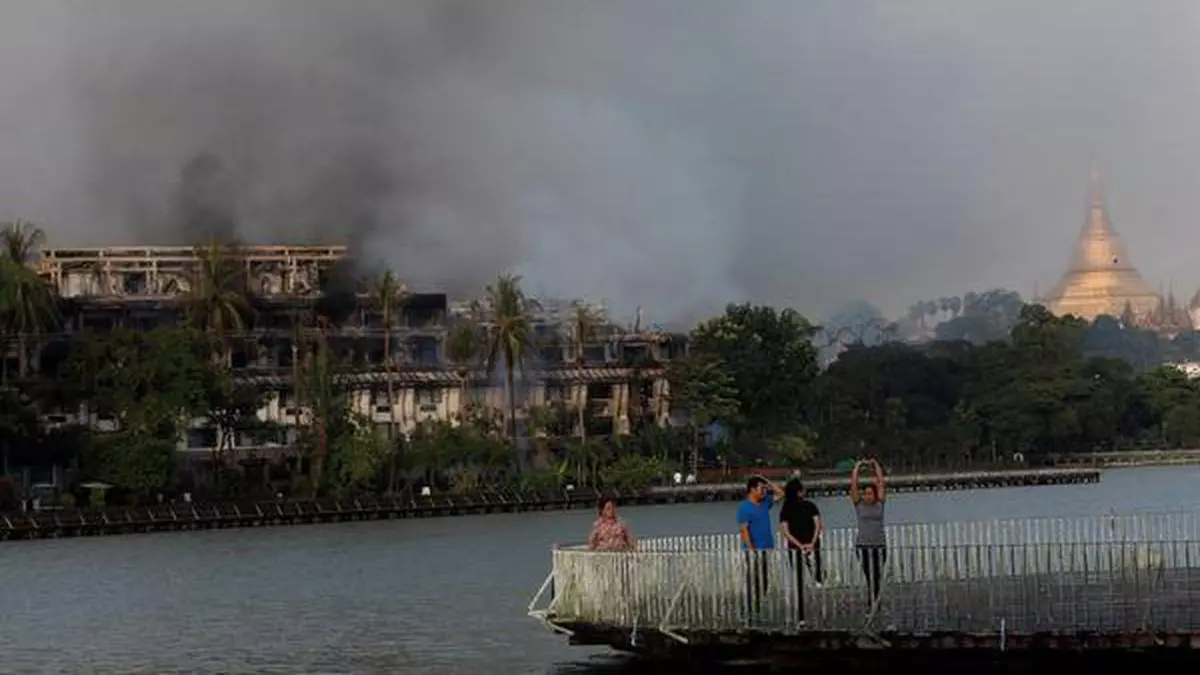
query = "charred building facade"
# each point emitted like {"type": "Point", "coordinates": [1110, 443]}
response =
{"type": "Point", "coordinates": [618, 375]}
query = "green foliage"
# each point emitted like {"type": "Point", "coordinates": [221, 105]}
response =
{"type": "Point", "coordinates": [154, 383]}
{"type": "Point", "coordinates": [795, 449]}
{"type": "Point", "coordinates": [1038, 391]}
{"type": "Point", "coordinates": [464, 455]}
{"type": "Point", "coordinates": [358, 456]}
{"type": "Point", "coordinates": [1002, 378]}
{"type": "Point", "coordinates": [771, 359]}
{"type": "Point", "coordinates": [511, 338]}
{"type": "Point", "coordinates": [703, 386]}
{"type": "Point", "coordinates": [634, 471]}
{"type": "Point", "coordinates": [144, 377]}
{"type": "Point", "coordinates": [138, 459]}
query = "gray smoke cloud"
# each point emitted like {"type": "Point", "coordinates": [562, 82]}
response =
{"type": "Point", "coordinates": [672, 154]}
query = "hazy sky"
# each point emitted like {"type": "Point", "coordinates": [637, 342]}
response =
{"type": "Point", "coordinates": [676, 154]}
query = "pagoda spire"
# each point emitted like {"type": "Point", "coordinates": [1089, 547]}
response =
{"type": "Point", "coordinates": [1095, 192]}
{"type": "Point", "coordinates": [1101, 279]}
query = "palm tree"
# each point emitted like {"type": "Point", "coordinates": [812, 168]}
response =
{"type": "Point", "coordinates": [21, 240]}
{"type": "Point", "coordinates": [462, 349]}
{"type": "Point", "coordinates": [584, 321]}
{"type": "Point", "coordinates": [27, 304]}
{"type": "Point", "coordinates": [325, 400]}
{"type": "Point", "coordinates": [388, 293]}
{"type": "Point", "coordinates": [218, 298]}
{"type": "Point", "coordinates": [510, 337]}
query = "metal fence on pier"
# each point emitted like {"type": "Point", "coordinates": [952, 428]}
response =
{"type": "Point", "coordinates": [1107, 573]}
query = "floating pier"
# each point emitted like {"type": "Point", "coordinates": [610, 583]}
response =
{"type": "Point", "coordinates": [197, 516]}
{"type": "Point", "coordinates": [1004, 589]}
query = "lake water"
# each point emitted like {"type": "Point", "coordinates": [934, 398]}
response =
{"type": "Point", "coordinates": [444, 595]}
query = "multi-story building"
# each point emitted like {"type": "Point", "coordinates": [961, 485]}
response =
{"type": "Point", "coordinates": [619, 375]}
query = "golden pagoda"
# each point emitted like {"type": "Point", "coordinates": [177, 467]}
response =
{"type": "Point", "coordinates": [1101, 279]}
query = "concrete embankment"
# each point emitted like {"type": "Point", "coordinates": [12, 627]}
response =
{"type": "Point", "coordinates": [197, 516]}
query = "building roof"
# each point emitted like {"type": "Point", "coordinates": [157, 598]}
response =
{"type": "Point", "coordinates": [439, 377]}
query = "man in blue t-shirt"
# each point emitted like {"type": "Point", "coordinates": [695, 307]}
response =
{"type": "Point", "coordinates": [754, 526]}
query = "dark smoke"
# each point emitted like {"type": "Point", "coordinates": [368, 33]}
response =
{"type": "Point", "coordinates": [672, 154]}
{"type": "Point", "coordinates": [206, 201]}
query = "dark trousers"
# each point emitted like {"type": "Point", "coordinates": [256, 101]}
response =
{"type": "Point", "coordinates": [800, 561]}
{"type": "Point", "coordinates": [796, 556]}
{"type": "Point", "coordinates": [873, 559]}
{"type": "Point", "coordinates": [818, 568]}
{"type": "Point", "coordinates": [756, 580]}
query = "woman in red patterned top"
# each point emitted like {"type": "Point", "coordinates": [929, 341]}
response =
{"type": "Point", "coordinates": [608, 532]}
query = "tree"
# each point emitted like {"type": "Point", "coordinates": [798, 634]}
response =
{"type": "Point", "coordinates": [154, 383]}
{"type": "Point", "coordinates": [980, 317]}
{"type": "Point", "coordinates": [771, 358]}
{"type": "Point", "coordinates": [328, 407]}
{"type": "Point", "coordinates": [28, 307]}
{"type": "Point", "coordinates": [856, 323]}
{"type": "Point", "coordinates": [217, 298]}
{"type": "Point", "coordinates": [463, 346]}
{"type": "Point", "coordinates": [703, 389]}
{"type": "Point", "coordinates": [232, 409]}
{"type": "Point", "coordinates": [583, 324]}
{"type": "Point", "coordinates": [510, 337]}
{"type": "Point", "coordinates": [388, 293]}
{"type": "Point", "coordinates": [357, 455]}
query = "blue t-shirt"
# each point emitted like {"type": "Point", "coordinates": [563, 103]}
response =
{"type": "Point", "coordinates": [758, 517]}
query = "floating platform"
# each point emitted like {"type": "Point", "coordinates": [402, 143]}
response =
{"type": "Point", "coordinates": [996, 590]}
{"type": "Point", "coordinates": [195, 516]}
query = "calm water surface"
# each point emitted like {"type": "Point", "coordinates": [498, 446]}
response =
{"type": "Point", "coordinates": [418, 596]}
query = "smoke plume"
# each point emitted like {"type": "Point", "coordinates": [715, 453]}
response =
{"type": "Point", "coordinates": [669, 154]}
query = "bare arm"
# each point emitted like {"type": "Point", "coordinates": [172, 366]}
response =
{"type": "Point", "coordinates": [820, 523]}
{"type": "Point", "coordinates": [630, 542]}
{"type": "Point", "coordinates": [745, 532]}
{"type": "Point", "coordinates": [854, 483]}
{"type": "Point", "coordinates": [594, 538]}
{"type": "Point", "coordinates": [777, 491]}
{"type": "Point", "coordinates": [880, 484]}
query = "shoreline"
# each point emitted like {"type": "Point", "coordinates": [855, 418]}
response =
{"type": "Point", "coordinates": [111, 521]}
{"type": "Point", "coordinates": [1127, 459]}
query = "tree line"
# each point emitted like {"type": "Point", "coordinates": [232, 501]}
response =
{"type": "Point", "coordinates": [1048, 385]}
{"type": "Point", "coordinates": [751, 390]}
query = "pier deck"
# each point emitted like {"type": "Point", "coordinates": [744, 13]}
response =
{"type": "Point", "coordinates": [1107, 583]}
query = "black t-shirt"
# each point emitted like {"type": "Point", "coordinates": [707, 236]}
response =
{"type": "Point", "coordinates": [799, 518]}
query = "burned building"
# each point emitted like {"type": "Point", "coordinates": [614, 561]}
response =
{"type": "Point", "coordinates": [303, 292]}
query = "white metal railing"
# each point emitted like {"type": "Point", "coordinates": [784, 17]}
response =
{"type": "Point", "coordinates": [1150, 526]}
{"type": "Point", "coordinates": [1099, 573]}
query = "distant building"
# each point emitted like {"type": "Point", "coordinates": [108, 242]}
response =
{"type": "Point", "coordinates": [619, 377]}
{"type": "Point", "coordinates": [1102, 279]}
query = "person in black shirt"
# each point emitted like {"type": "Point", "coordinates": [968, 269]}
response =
{"type": "Point", "coordinates": [800, 528]}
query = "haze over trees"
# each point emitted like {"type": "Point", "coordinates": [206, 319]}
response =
{"type": "Point", "coordinates": [958, 382]}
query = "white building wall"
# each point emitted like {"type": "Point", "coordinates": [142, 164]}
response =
{"type": "Point", "coordinates": [415, 404]}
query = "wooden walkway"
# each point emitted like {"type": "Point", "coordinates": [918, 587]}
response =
{"type": "Point", "coordinates": [1106, 582]}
